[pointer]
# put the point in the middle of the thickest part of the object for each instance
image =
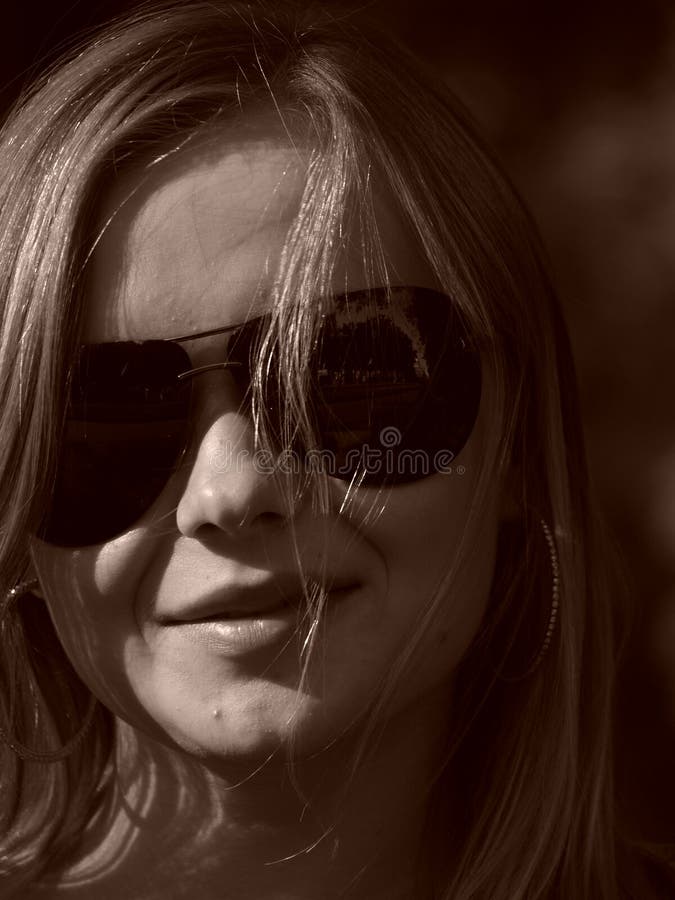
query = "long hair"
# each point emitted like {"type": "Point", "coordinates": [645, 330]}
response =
{"type": "Point", "coordinates": [532, 747]}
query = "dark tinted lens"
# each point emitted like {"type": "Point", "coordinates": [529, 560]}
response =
{"type": "Point", "coordinates": [126, 428]}
{"type": "Point", "coordinates": [395, 389]}
{"type": "Point", "coordinates": [398, 385]}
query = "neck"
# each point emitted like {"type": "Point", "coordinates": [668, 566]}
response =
{"type": "Point", "coordinates": [270, 830]}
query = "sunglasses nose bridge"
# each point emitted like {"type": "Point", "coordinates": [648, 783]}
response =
{"type": "Point", "coordinates": [230, 485]}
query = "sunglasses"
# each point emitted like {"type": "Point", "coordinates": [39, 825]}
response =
{"type": "Point", "coordinates": [394, 390]}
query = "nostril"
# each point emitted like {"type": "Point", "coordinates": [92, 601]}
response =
{"type": "Point", "coordinates": [211, 532]}
{"type": "Point", "coordinates": [270, 520]}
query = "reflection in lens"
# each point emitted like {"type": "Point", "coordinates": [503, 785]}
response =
{"type": "Point", "coordinates": [397, 360]}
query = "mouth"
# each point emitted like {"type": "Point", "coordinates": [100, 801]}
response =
{"type": "Point", "coordinates": [236, 622]}
{"type": "Point", "coordinates": [235, 615]}
{"type": "Point", "coordinates": [233, 602]}
{"type": "Point", "coordinates": [243, 609]}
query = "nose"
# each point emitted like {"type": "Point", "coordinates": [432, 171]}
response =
{"type": "Point", "coordinates": [230, 486]}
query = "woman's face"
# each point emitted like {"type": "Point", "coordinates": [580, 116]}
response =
{"type": "Point", "coordinates": [193, 247]}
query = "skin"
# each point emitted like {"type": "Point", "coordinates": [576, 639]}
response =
{"type": "Point", "coordinates": [196, 246]}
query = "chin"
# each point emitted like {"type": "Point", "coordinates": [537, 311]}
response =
{"type": "Point", "coordinates": [246, 730]}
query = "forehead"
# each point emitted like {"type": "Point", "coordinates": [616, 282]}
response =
{"type": "Point", "coordinates": [194, 242]}
{"type": "Point", "coordinates": [190, 243]}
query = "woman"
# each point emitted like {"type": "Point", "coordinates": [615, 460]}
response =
{"type": "Point", "coordinates": [302, 589]}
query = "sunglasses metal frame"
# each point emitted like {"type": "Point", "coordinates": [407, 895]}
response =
{"type": "Point", "coordinates": [412, 294]}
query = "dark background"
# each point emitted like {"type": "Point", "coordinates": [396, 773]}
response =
{"type": "Point", "coordinates": [579, 100]}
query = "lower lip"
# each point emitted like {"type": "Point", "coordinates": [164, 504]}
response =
{"type": "Point", "coordinates": [237, 637]}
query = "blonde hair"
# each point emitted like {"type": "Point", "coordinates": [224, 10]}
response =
{"type": "Point", "coordinates": [534, 752]}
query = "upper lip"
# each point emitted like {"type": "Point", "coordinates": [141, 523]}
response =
{"type": "Point", "coordinates": [247, 600]}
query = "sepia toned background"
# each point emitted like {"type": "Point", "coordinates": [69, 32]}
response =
{"type": "Point", "coordinates": [579, 101]}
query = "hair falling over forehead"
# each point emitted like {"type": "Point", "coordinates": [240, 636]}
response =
{"type": "Point", "coordinates": [535, 755]}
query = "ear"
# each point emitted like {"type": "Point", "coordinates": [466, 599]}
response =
{"type": "Point", "coordinates": [32, 575]}
{"type": "Point", "coordinates": [37, 592]}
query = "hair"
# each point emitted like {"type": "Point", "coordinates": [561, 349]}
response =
{"type": "Point", "coordinates": [532, 742]}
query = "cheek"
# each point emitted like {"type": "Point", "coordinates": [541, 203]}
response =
{"type": "Point", "coordinates": [440, 566]}
{"type": "Point", "coordinates": [97, 631]}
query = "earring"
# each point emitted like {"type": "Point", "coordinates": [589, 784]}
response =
{"type": "Point", "coordinates": [23, 587]}
{"type": "Point", "coordinates": [26, 753]}
{"type": "Point", "coordinates": [553, 609]}
{"type": "Point", "coordinates": [555, 594]}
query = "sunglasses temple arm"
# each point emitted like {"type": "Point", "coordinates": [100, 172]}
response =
{"type": "Point", "coordinates": [210, 368]}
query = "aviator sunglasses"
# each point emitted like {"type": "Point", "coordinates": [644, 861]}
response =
{"type": "Point", "coordinates": [394, 384]}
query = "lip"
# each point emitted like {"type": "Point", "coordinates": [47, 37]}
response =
{"type": "Point", "coordinates": [237, 637]}
{"type": "Point", "coordinates": [239, 620]}
{"type": "Point", "coordinates": [257, 599]}
{"type": "Point", "coordinates": [234, 601]}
